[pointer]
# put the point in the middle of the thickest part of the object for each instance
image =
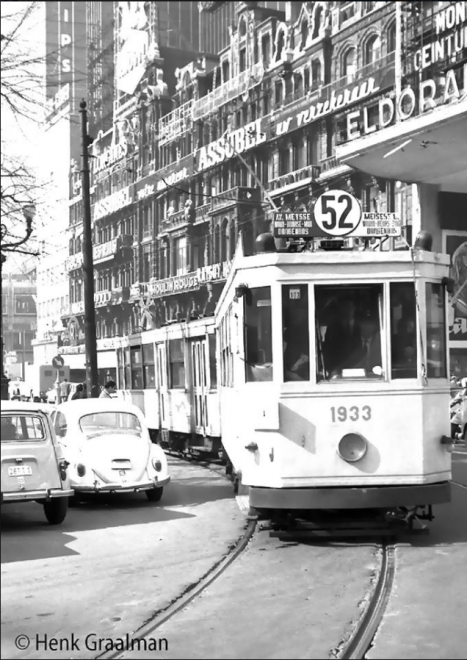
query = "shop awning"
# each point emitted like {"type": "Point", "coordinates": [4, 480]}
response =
{"type": "Point", "coordinates": [430, 148]}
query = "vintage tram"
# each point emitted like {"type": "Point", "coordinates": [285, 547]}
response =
{"type": "Point", "coordinates": [322, 377]}
{"type": "Point", "coordinates": [333, 378]}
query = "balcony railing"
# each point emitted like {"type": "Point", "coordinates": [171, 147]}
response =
{"type": "Point", "coordinates": [120, 294]}
{"type": "Point", "coordinates": [102, 298]}
{"type": "Point", "coordinates": [233, 196]}
{"type": "Point", "coordinates": [138, 290]}
{"type": "Point", "coordinates": [73, 262]}
{"type": "Point", "coordinates": [174, 220]}
{"type": "Point", "coordinates": [175, 123]}
{"type": "Point", "coordinates": [201, 212]}
{"type": "Point", "coordinates": [229, 90]}
{"type": "Point", "coordinates": [330, 165]}
{"type": "Point", "coordinates": [304, 174]}
{"type": "Point", "coordinates": [77, 307]}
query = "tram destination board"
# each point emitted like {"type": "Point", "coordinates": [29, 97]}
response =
{"type": "Point", "coordinates": [293, 225]}
{"type": "Point", "coordinates": [337, 214]}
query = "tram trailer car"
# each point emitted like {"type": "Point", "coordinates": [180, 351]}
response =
{"type": "Point", "coordinates": [315, 418]}
{"type": "Point", "coordinates": [170, 374]}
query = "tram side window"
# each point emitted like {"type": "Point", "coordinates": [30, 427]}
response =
{"type": "Point", "coordinates": [348, 331]}
{"type": "Point", "coordinates": [258, 334]}
{"type": "Point", "coordinates": [177, 364]}
{"type": "Point", "coordinates": [212, 362]}
{"type": "Point", "coordinates": [403, 330]}
{"type": "Point", "coordinates": [436, 331]}
{"type": "Point", "coordinates": [136, 368]}
{"type": "Point", "coordinates": [120, 369]}
{"type": "Point", "coordinates": [296, 336]}
{"type": "Point", "coordinates": [126, 354]}
{"type": "Point", "coordinates": [149, 374]}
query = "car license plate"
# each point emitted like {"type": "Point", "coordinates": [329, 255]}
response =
{"type": "Point", "coordinates": [18, 470]}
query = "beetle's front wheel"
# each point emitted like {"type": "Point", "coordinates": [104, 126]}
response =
{"type": "Point", "coordinates": [155, 494]}
{"type": "Point", "coordinates": [55, 510]}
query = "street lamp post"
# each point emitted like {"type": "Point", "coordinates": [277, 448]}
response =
{"type": "Point", "coordinates": [88, 266]}
{"type": "Point", "coordinates": [29, 211]}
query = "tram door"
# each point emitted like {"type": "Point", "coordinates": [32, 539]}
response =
{"type": "Point", "coordinates": [200, 387]}
{"type": "Point", "coordinates": [161, 385]}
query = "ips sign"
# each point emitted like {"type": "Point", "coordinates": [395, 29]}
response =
{"type": "Point", "coordinates": [65, 44]}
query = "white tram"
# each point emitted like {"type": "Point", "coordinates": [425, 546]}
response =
{"type": "Point", "coordinates": [170, 374]}
{"type": "Point", "coordinates": [333, 378]}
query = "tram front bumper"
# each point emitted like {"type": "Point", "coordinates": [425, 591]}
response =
{"type": "Point", "coordinates": [377, 497]}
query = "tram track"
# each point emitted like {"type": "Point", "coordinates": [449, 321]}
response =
{"type": "Point", "coordinates": [354, 648]}
{"type": "Point", "coordinates": [362, 637]}
{"type": "Point", "coordinates": [191, 592]}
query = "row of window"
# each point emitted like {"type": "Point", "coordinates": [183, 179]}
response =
{"type": "Point", "coordinates": [349, 332]}
{"type": "Point", "coordinates": [136, 365]}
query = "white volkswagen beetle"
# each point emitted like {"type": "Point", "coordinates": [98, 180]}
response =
{"type": "Point", "coordinates": [107, 444]}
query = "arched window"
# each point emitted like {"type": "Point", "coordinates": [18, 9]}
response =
{"type": "Point", "coordinates": [217, 243]}
{"type": "Point", "coordinates": [242, 28]}
{"type": "Point", "coordinates": [350, 64]}
{"type": "Point", "coordinates": [225, 240]}
{"type": "Point", "coordinates": [373, 49]}
{"type": "Point", "coordinates": [391, 38]}
{"type": "Point", "coordinates": [280, 46]}
{"type": "Point", "coordinates": [316, 74]}
{"type": "Point", "coordinates": [231, 240]}
{"type": "Point", "coordinates": [303, 33]}
{"type": "Point", "coordinates": [317, 21]}
{"type": "Point", "coordinates": [298, 84]}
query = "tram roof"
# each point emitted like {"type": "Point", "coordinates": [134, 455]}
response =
{"type": "Point", "coordinates": [347, 263]}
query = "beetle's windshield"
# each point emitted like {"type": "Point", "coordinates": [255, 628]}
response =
{"type": "Point", "coordinates": [22, 428]}
{"type": "Point", "coordinates": [103, 423]}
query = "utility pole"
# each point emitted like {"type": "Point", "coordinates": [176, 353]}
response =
{"type": "Point", "coordinates": [88, 267]}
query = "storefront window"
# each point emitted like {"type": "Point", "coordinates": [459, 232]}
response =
{"type": "Point", "coordinates": [348, 332]}
{"type": "Point", "coordinates": [436, 331]}
{"type": "Point", "coordinates": [258, 334]}
{"type": "Point", "coordinates": [296, 339]}
{"type": "Point", "coordinates": [403, 331]}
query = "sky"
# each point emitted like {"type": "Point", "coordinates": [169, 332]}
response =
{"type": "Point", "coordinates": [23, 137]}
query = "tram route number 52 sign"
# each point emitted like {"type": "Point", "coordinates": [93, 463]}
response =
{"type": "Point", "coordinates": [339, 214]}
{"type": "Point", "coordinates": [336, 214]}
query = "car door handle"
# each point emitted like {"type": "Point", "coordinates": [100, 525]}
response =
{"type": "Point", "coordinates": [252, 446]}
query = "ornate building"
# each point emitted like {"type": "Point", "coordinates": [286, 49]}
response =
{"type": "Point", "coordinates": [204, 147]}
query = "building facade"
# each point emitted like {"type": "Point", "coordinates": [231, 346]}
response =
{"type": "Point", "coordinates": [204, 147]}
{"type": "Point", "coordinates": [19, 317]}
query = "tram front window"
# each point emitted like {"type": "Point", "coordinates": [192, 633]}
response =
{"type": "Point", "coordinates": [348, 331]}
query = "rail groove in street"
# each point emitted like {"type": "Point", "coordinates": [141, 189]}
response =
{"type": "Point", "coordinates": [190, 593]}
{"type": "Point", "coordinates": [362, 638]}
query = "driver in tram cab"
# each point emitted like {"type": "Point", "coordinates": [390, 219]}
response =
{"type": "Point", "coordinates": [367, 355]}
{"type": "Point", "coordinates": [342, 338]}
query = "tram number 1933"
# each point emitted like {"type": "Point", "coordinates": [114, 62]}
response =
{"type": "Point", "coordinates": [354, 413]}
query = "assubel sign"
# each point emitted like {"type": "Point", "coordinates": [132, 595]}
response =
{"type": "Point", "coordinates": [227, 146]}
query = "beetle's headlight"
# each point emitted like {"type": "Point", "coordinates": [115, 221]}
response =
{"type": "Point", "coordinates": [352, 447]}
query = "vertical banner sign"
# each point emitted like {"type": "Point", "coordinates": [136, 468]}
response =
{"type": "Point", "coordinates": [66, 51]}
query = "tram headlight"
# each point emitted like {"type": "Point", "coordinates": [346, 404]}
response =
{"type": "Point", "coordinates": [352, 447]}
